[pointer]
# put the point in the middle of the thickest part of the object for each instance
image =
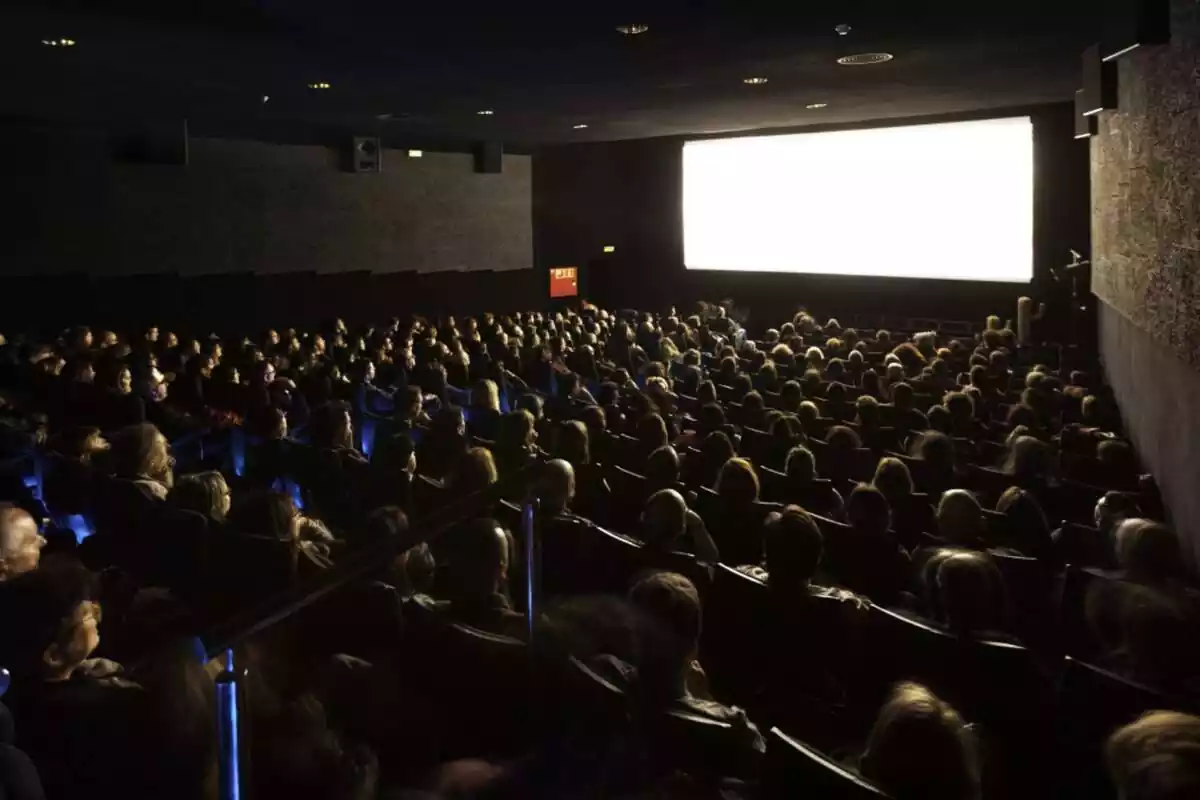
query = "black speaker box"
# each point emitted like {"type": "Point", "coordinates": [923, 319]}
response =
{"type": "Point", "coordinates": [1085, 126]}
{"type": "Point", "coordinates": [1099, 82]}
{"type": "Point", "coordinates": [366, 155]}
{"type": "Point", "coordinates": [1130, 24]}
{"type": "Point", "coordinates": [489, 158]}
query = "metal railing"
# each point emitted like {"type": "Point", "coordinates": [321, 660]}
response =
{"type": "Point", "coordinates": [222, 642]}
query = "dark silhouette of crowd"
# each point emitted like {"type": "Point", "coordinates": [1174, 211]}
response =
{"type": "Point", "coordinates": [803, 560]}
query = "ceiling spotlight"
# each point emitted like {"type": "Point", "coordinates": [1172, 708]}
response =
{"type": "Point", "coordinates": [843, 29]}
{"type": "Point", "coordinates": [485, 112]}
{"type": "Point", "coordinates": [266, 98]}
{"type": "Point", "coordinates": [580, 126]}
{"type": "Point", "coordinates": [58, 42]}
{"type": "Point", "coordinates": [321, 85]}
{"type": "Point", "coordinates": [815, 106]}
{"type": "Point", "coordinates": [633, 30]}
{"type": "Point", "coordinates": [864, 59]}
{"type": "Point", "coordinates": [415, 153]}
{"type": "Point", "coordinates": [754, 81]}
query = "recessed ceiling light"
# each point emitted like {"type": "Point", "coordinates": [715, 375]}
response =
{"type": "Point", "coordinates": [320, 85]}
{"type": "Point", "coordinates": [266, 98]}
{"type": "Point", "coordinates": [415, 153]}
{"type": "Point", "coordinates": [864, 59]}
{"type": "Point", "coordinates": [843, 29]}
{"type": "Point", "coordinates": [58, 42]}
{"type": "Point", "coordinates": [485, 112]}
{"type": "Point", "coordinates": [633, 30]}
{"type": "Point", "coordinates": [815, 106]}
{"type": "Point", "coordinates": [754, 81]}
{"type": "Point", "coordinates": [580, 126]}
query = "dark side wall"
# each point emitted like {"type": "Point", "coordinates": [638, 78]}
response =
{"type": "Point", "coordinates": [251, 231]}
{"type": "Point", "coordinates": [1146, 254]}
{"type": "Point", "coordinates": [255, 206]}
{"type": "Point", "coordinates": [628, 195]}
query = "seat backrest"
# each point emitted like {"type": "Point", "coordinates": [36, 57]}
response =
{"type": "Point", "coordinates": [792, 769]}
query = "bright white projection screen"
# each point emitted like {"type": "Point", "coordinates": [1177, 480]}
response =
{"type": "Point", "coordinates": [950, 201]}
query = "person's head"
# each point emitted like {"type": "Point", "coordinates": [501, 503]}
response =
{"type": "Point", "coordinates": [671, 606]}
{"type": "Point", "coordinates": [517, 431]}
{"type": "Point", "coordinates": [532, 403]}
{"type": "Point", "coordinates": [571, 443]}
{"type": "Point", "coordinates": [557, 486]}
{"type": "Point", "coordinates": [902, 396]}
{"type": "Point", "coordinates": [1148, 551]}
{"type": "Point", "coordinates": [793, 546]}
{"type": "Point", "coordinates": [970, 593]}
{"type": "Point", "coordinates": [485, 395]}
{"type": "Point", "coordinates": [706, 393]}
{"type": "Point", "coordinates": [20, 542]}
{"type": "Point", "coordinates": [1112, 508]}
{"type": "Point", "coordinates": [205, 493]}
{"type": "Point", "coordinates": [921, 749]}
{"type": "Point", "coordinates": [937, 450]}
{"type": "Point", "coordinates": [331, 426]}
{"type": "Point", "coordinates": [892, 478]}
{"type": "Point", "coordinates": [482, 558]}
{"type": "Point", "coordinates": [662, 468]}
{"type": "Point", "coordinates": [271, 514]}
{"type": "Point", "coordinates": [960, 406]}
{"type": "Point", "coordinates": [652, 432]}
{"type": "Point", "coordinates": [868, 411]}
{"type": "Point", "coordinates": [1029, 459]}
{"type": "Point", "coordinates": [842, 439]}
{"type": "Point", "coordinates": [1117, 458]}
{"type": "Point", "coordinates": [397, 453]}
{"type": "Point", "coordinates": [1156, 757]}
{"type": "Point", "coordinates": [141, 451]}
{"type": "Point", "coordinates": [867, 510]}
{"type": "Point", "coordinates": [716, 449]}
{"type": "Point", "coordinates": [50, 620]}
{"type": "Point", "coordinates": [800, 466]}
{"type": "Point", "coordinates": [710, 417]}
{"type": "Point", "coordinates": [960, 519]}
{"type": "Point", "coordinates": [664, 519]}
{"type": "Point", "coordinates": [476, 471]}
{"type": "Point", "coordinates": [737, 482]}
{"type": "Point", "coordinates": [1026, 522]}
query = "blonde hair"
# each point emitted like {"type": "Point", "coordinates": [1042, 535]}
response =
{"type": "Point", "coordinates": [920, 747]}
{"type": "Point", "coordinates": [486, 395]}
{"type": "Point", "coordinates": [1156, 757]}
{"type": "Point", "coordinates": [960, 518]}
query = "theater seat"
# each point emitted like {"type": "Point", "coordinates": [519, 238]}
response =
{"type": "Point", "coordinates": [793, 769]}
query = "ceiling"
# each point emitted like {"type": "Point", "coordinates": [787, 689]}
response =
{"type": "Point", "coordinates": [422, 70]}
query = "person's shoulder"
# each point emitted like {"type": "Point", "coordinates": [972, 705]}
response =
{"type": "Point", "coordinates": [742, 731]}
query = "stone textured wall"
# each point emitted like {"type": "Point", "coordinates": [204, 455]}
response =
{"type": "Point", "coordinates": [1146, 256]}
{"type": "Point", "coordinates": [1146, 190]}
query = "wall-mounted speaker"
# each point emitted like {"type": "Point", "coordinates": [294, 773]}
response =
{"type": "Point", "coordinates": [1130, 24]}
{"type": "Point", "coordinates": [367, 155]}
{"type": "Point", "coordinates": [1085, 126]}
{"type": "Point", "coordinates": [1099, 82]}
{"type": "Point", "coordinates": [489, 158]}
{"type": "Point", "coordinates": [164, 143]}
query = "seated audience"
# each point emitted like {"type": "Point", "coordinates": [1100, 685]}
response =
{"type": "Point", "coordinates": [921, 749]}
{"type": "Point", "coordinates": [205, 493]}
{"type": "Point", "coordinates": [960, 520]}
{"type": "Point", "coordinates": [1156, 757]}
{"type": "Point", "coordinates": [670, 675]}
{"type": "Point", "coordinates": [20, 542]}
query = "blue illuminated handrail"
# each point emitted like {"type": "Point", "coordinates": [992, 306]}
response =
{"type": "Point", "coordinates": [223, 641]}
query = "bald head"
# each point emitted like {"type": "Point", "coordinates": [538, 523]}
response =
{"type": "Point", "coordinates": [664, 519]}
{"type": "Point", "coordinates": [20, 542]}
{"type": "Point", "coordinates": [558, 486]}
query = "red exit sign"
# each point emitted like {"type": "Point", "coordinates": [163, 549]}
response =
{"type": "Point", "coordinates": [564, 282]}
